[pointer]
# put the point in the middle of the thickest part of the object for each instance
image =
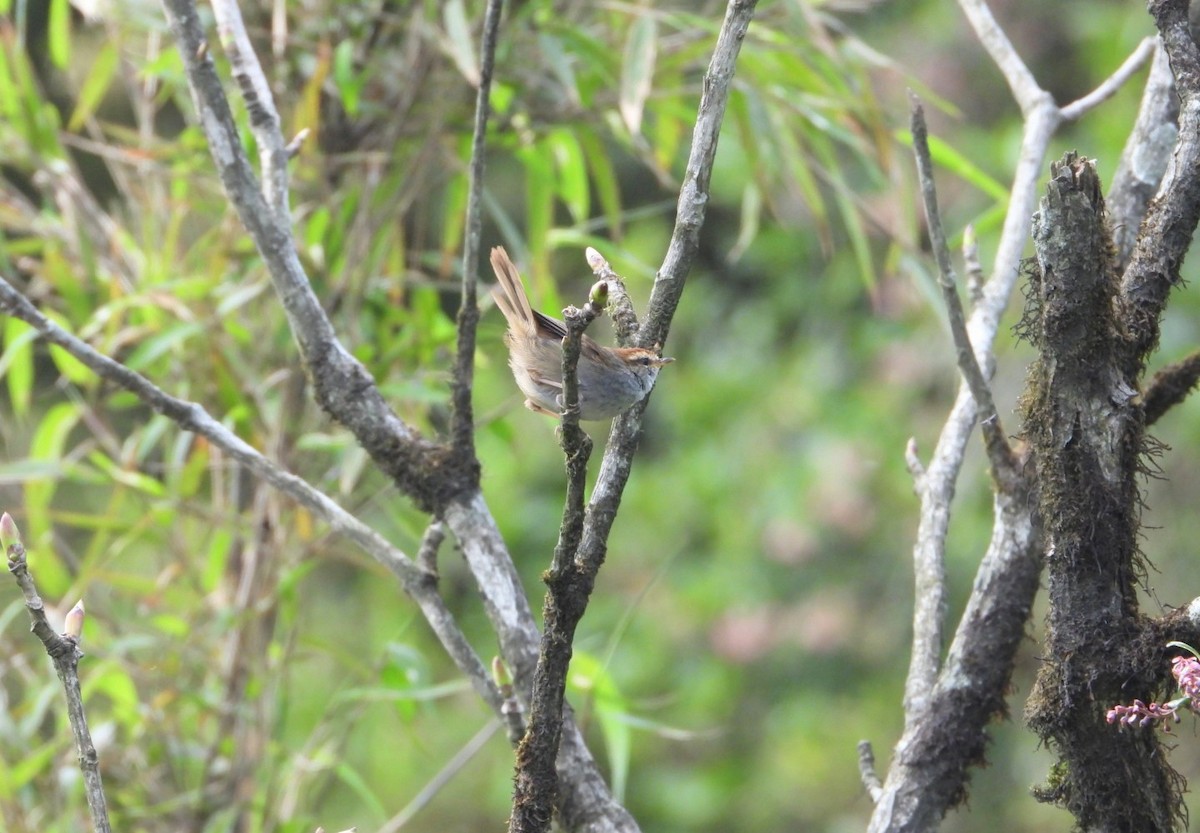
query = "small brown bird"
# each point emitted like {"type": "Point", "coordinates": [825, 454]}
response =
{"type": "Point", "coordinates": [610, 378]}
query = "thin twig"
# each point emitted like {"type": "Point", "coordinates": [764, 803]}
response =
{"type": "Point", "coordinates": [443, 777]}
{"type": "Point", "coordinates": [929, 608]}
{"type": "Point", "coordinates": [1021, 82]}
{"type": "Point", "coordinates": [1113, 83]}
{"type": "Point", "coordinates": [998, 449]}
{"type": "Point", "coordinates": [431, 542]}
{"type": "Point", "coordinates": [866, 770]}
{"type": "Point", "coordinates": [63, 650]}
{"type": "Point", "coordinates": [512, 713]}
{"type": "Point", "coordinates": [462, 433]}
{"type": "Point", "coordinates": [972, 265]}
{"type": "Point", "coordinates": [912, 461]}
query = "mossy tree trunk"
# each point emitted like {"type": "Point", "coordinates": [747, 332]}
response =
{"type": "Point", "coordinates": [1084, 421]}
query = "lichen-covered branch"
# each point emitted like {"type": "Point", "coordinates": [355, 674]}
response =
{"type": "Point", "coordinates": [945, 721]}
{"type": "Point", "coordinates": [1084, 423]}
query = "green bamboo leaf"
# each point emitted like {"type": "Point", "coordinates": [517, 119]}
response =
{"type": "Point", "coordinates": [189, 465]}
{"type": "Point", "coordinates": [561, 67]}
{"type": "Point", "coordinates": [590, 677]}
{"type": "Point", "coordinates": [58, 33]}
{"type": "Point", "coordinates": [126, 477]}
{"type": "Point", "coordinates": [539, 204]}
{"type": "Point", "coordinates": [16, 472]}
{"type": "Point", "coordinates": [30, 764]}
{"type": "Point", "coordinates": [72, 369]}
{"type": "Point", "coordinates": [358, 785]}
{"type": "Point", "coordinates": [637, 70]}
{"type": "Point", "coordinates": [459, 43]}
{"type": "Point", "coordinates": [220, 545]}
{"type": "Point", "coordinates": [604, 178]}
{"type": "Point", "coordinates": [10, 101]}
{"type": "Point", "coordinates": [114, 682]}
{"type": "Point", "coordinates": [16, 363]}
{"type": "Point", "coordinates": [572, 177]}
{"type": "Point", "coordinates": [346, 79]}
{"type": "Point", "coordinates": [95, 86]}
{"type": "Point", "coordinates": [157, 345]}
{"type": "Point", "coordinates": [947, 157]}
{"type": "Point", "coordinates": [752, 203]}
{"type": "Point", "coordinates": [47, 446]}
{"type": "Point", "coordinates": [454, 212]}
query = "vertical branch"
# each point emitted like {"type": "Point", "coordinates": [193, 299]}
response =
{"type": "Point", "coordinates": [930, 571]}
{"type": "Point", "coordinates": [945, 725]}
{"type": "Point", "coordinates": [463, 422]}
{"type": "Point", "coordinates": [998, 450]}
{"type": "Point", "coordinates": [1085, 425]}
{"type": "Point", "coordinates": [668, 285]}
{"type": "Point", "coordinates": [530, 810]}
{"type": "Point", "coordinates": [63, 650]}
{"type": "Point", "coordinates": [569, 587]}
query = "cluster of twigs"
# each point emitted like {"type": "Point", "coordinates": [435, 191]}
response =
{"type": "Point", "coordinates": [441, 477]}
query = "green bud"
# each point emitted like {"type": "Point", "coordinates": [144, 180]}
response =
{"type": "Point", "coordinates": [9, 534]}
{"type": "Point", "coordinates": [500, 673]}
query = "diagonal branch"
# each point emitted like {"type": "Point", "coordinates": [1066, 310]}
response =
{"type": "Point", "coordinates": [1145, 157]}
{"type": "Point", "coordinates": [929, 610]}
{"type": "Point", "coordinates": [423, 470]}
{"type": "Point", "coordinates": [1113, 83]}
{"type": "Point", "coordinates": [668, 284]}
{"type": "Point", "coordinates": [417, 582]}
{"type": "Point", "coordinates": [998, 449]}
{"type": "Point", "coordinates": [1169, 387]}
{"type": "Point", "coordinates": [260, 104]}
{"type": "Point", "coordinates": [1166, 233]}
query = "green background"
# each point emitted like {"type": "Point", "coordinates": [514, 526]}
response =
{"type": "Point", "coordinates": [752, 621]}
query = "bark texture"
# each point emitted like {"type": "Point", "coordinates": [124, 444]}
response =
{"type": "Point", "coordinates": [1085, 423]}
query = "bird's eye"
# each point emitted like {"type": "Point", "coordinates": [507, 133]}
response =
{"type": "Point", "coordinates": [644, 361]}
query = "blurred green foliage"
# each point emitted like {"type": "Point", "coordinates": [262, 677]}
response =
{"type": "Point", "coordinates": [245, 669]}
